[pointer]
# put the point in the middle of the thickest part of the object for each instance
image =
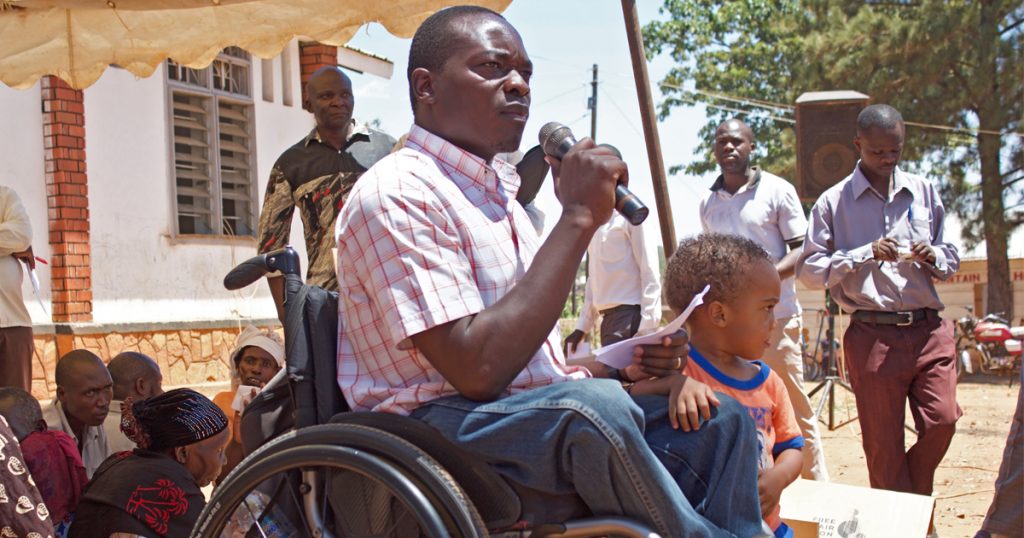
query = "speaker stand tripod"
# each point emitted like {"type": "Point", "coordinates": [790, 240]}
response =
{"type": "Point", "coordinates": [832, 380]}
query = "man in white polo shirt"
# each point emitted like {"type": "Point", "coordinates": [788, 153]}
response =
{"type": "Point", "coordinates": [752, 203]}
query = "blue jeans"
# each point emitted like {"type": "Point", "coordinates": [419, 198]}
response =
{"type": "Point", "coordinates": [619, 454]}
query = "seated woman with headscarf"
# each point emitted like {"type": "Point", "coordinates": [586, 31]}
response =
{"type": "Point", "coordinates": [258, 357]}
{"type": "Point", "coordinates": [154, 490]}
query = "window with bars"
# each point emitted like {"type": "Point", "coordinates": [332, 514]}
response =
{"type": "Point", "coordinates": [212, 136]}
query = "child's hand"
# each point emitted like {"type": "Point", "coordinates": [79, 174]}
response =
{"type": "Point", "coordinates": [770, 484]}
{"type": "Point", "coordinates": [688, 402]}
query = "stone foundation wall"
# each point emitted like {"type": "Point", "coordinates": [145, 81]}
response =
{"type": "Point", "coordinates": [187, 356]}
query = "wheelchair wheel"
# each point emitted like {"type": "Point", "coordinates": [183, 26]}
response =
{"type": "Point", "coordinates": [339, 480]}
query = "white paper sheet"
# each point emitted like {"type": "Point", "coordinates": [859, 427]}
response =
{"type": "Point", "coordinates": [35, 288]}
{"type": "Point", "coordinates": [582, 351]}
{"type": "Point", "coordinates": [243, 395]}
{"type": "Point", "coordinates": [620, 354]}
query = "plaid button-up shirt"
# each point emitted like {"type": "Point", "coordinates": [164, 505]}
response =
{"type": "Point", "coordinates": [429, 235]}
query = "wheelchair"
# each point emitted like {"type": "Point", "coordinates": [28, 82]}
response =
{"type": "Point", "coordinates": [320, 470]}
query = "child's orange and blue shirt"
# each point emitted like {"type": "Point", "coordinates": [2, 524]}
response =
{"type": "Point", "coordinates": [767, 401]}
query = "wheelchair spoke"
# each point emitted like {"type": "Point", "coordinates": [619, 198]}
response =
{"type": "Point", "coordinates": [314, 485]}
{"type": "Point", "coordinates": [255, 518]}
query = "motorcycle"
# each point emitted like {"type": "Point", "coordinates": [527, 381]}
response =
{"type": "Point", "coordinates": [997, 344]}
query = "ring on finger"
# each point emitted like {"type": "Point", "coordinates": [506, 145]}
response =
{"type": "Point", "coordinates": [679, 363]}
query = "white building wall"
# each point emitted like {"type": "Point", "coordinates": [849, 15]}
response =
{"type": "Point", "coordinates": [141, 273]}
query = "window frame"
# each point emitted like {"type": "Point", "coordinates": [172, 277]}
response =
{"type": "Point", "coordinates": [215, 97]}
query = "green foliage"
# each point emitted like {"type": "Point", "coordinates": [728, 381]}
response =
{"type": "Point", "coordinates": [703, 37]}
{"type": "Point", "coordinates": [922, 57]}
{"type": "Point", "coordinates": [951, 63]}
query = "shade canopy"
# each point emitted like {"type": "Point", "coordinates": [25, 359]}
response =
{"type": "Point", "coordinates": [77, 40]}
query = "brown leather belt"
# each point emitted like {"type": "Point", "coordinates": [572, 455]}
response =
{"type": "Point", "coordinates": [900, 319]}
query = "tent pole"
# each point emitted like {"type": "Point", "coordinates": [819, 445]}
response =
{"type": "Point", "coordinates": [650, 125]}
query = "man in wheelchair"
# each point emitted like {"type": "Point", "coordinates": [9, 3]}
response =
{"type": "Point", "coordinates": [450, 304]}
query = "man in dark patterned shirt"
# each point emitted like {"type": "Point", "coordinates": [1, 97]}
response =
{"type": "Point", "coordinates": [316, 175]}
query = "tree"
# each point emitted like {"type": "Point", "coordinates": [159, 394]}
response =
{"type": "Point", "coordinates": [958, 64]}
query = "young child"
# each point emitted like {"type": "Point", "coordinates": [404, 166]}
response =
{"type": "Point", "coordinates": [732, 327]}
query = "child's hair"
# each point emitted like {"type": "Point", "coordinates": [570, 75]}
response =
{"type": "Point", "coordinates": [21, 410]}
{"type": "Point", "coordinates": [718, 259]}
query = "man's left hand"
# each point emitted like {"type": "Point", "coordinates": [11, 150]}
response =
{"type": "Point", "coordinates": [660, 360]}
{"type": "Point", "coordinates": [923, 252]}
{"type": "Point", "coordinates": [27, 257]}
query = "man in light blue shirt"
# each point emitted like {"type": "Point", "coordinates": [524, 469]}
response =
{"type": "Point", "coordinates": [875, 240]}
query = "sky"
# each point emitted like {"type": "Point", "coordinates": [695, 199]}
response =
{"type": "Point", "coordinates": [565, 38]}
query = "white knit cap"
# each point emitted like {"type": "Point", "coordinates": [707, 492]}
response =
{"type": "Point", "coordinates": [267, 341]}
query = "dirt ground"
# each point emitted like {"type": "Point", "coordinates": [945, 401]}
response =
{"type": "Point", "coordinates": [964, 480]}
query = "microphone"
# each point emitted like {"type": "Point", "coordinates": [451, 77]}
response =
{"type": "Point", "coordinates": [557, 139]}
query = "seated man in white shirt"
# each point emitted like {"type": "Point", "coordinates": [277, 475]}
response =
{"type": "Point", "coordinates": [622, 285]}
{"type": "Point", "coordinates": [84, 391]}
{"type": "Point", "coordinates": [136, 376]}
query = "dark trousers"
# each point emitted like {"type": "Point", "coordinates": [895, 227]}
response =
{"type": "Point", "coordinates": [889, 365]}
{"type": "Point", "coordinates": [619, 454]}
{"type": "Point", "coordinates": [619, 323]}
{"type": "Point", "coordinates": [1006, 515]}
{"type": "Point", "coordinates": [16, 349]}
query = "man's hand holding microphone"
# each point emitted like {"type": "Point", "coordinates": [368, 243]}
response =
{"type": "Point", "coordinates": [590, 181]}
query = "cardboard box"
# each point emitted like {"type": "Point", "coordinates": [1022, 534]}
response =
{"type": "Point", "coordinates": [843, 511]}
{"type": "Point", "coordinates": [803, 529]}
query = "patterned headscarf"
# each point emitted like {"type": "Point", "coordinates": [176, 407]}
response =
{"type": "Point", "coordinates": [176, 418]}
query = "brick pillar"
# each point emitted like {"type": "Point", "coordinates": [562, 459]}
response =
{"type": "Point", "coordinates": [67, 201]}
{"type": "Point", "coordinates": [313, 56]}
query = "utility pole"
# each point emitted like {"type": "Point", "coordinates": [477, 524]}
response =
{"type": "Point", "coordinates": [592, 107]}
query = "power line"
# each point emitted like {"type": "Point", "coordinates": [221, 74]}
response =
{"type": "Point", "coordinates": [769, 105]}
{"type": "Point", "coordinates": [616, 106]}
{"type": "Point", "coordinates": [749, 101]}
{"type": "Point", "coordinates": [560, 95]}
{"type": "Point", "coordinates": [575, 121]}
{"type": "Point", "coordinates": [964, 130]}
{"type": "Point", "coordinates": [758, 103]}
{"type": "Point", "coordinates": [562, 62]}
{"type": "Point", "coordinates": [739, 111]}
